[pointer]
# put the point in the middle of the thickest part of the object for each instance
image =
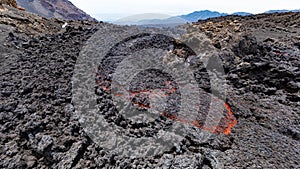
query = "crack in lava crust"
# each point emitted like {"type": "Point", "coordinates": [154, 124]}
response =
{"type": "Point", "coordinates": [150, 86]}
{"type": "Point", "coordinates": [141, 100]}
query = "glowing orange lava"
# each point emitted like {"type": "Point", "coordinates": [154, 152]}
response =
{"type": "Point", "coordinates": [230, 122]}
{"type": "Point", "coordinates": [225, 126]}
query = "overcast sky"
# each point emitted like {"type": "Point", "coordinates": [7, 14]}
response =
{"type": "Point", "coordinates": [115, 9]}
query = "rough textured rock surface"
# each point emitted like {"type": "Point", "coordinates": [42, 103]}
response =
{"type": "Point", "coordinates": [11, 3]}
{"type": "Point", "coordinates": [63, 9]}
{"type": "Point", "coordinates": [38, 130]}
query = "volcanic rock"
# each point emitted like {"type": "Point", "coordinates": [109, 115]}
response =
{"type": "Point", "coordinates": [40, 129]}
{"type": "Point", "coordinates": [11, 3]}
{"type": "Point", "coordinates": [62, 9]}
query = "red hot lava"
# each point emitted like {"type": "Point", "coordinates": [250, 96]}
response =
{"type": "Point", "coordinates": [225, 126]}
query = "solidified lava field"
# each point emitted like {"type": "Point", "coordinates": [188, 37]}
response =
{"type": "Point", "coordinates": [260, 55]}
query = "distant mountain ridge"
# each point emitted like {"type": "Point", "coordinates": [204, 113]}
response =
{"type": "Point", "coordinates": [201, 15]}
{"type": "Point", "coordinates": [193, 17]}
{"type": "Point", "coordinates": [205, 14]}
{"type": "Point", "coordinates": [182, 19]}
{"type": "Point", "coordinates": [63, 9]}
{"type": "Point", "coordinates": [242, 13]}
{"type": "Point", "coordinates": [281, 11]}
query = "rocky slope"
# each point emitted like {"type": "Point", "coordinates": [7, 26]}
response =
{"type": "Point", "coordinates": [11, 3]}
{"type": "Point", "coordinates": [38, 128]}
{"type": "Point", "coordinates": [261, 55]}
{"type": "Point", "coordinates": [63, 9]}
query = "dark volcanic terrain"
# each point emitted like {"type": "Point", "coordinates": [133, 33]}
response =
{"type": "Point", "coordinates": [63, 9]}
{"type": "Point", "coordinates": [38, 129]}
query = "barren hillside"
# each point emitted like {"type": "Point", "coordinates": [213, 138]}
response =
{"type": "Point", "coordinates": [260, 55]}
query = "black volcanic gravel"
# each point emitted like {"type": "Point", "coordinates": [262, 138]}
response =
{"type": "Point", "coordinates": [38, 129]}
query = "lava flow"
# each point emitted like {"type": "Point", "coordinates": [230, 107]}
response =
{"type": "Point", "coordinates": [229, 121]}
{"type": "Point", "coordinates": [141, 100]}
{"type": "Point", "coordinates": [226, 123]}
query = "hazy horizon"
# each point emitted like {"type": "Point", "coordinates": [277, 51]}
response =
{"type": "Point", "coordinates": [116, 9]}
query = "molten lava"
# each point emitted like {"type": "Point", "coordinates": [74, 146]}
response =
{"type": "Point", "coordinates": [138, 99]}
{"type": "Point", "coordinates": [230, 121]}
